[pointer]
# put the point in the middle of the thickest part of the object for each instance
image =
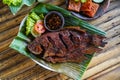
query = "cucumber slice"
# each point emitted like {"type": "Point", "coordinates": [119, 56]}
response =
{"type": "Point", "coordinates": [34, 33]}
{"type": "Point", "coordinates": [83, 1]}
{"type": "Point", "coordinates": [77, 0]}
{"type": "Point", "coordinates": [98, 1]}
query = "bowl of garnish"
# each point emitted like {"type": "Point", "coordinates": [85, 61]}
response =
{"type": "Point", "coordinates": [54, 21]}
{"type": "Point", "coordinates": [87, 9]}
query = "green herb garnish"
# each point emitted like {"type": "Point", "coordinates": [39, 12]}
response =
{"type": "Point", "coordinates": [12, 2]}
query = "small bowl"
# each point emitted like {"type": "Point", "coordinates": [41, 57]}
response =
{"type": "Point", "coordinates": [54, 21]}
{"type": "Point", "coordinates": [103, 7]}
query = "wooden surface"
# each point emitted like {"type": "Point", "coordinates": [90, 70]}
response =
{"type": "Point", "coordinates": [104, 66]}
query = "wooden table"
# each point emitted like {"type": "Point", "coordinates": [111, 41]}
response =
{"type": "Point", "coordinates": [104, 66]}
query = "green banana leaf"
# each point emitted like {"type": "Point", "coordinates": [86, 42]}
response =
{"type": "Point", "coordinates": [15, 9]}
{"type": "Point", "coordinates": [73, 70]}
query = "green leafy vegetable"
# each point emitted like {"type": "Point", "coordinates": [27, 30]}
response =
{"type": "Point", "coordinates": [74, 70]}
{"type": "Point", "coordinates": [41, 16]}
{"type": "Point", "coordinates": [12, 2]}
{"type": "Point", "coordinates": [34, 16]}
{"type": "Point", "coordinates": [29, 24]}
{"type": "Point", "coordinates": [16, 5]}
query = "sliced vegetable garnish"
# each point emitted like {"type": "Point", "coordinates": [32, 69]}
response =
{"type": "Point", "coordinates": [39, 28]}
{"type": "Point", "coordinates": [34, 24]}
{"type": "Point", "coordinates": [29, 24]}
{"type": "Point", "coordinates": [77, 0]}
{"type": "Point", "coordinates": [34, 33]}
{"type": "Point", "coordinates": [34, 16]}
{"type": "Point", "coordinates": [82, 1]}
{"type": "Point", "coordinates": [98, 1]}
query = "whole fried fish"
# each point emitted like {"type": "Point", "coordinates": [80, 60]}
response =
{"type": "Point", "coordinates": [66, 45]}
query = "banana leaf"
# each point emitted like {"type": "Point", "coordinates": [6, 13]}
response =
{"type": "Point", "coordinates": [73, 70]}
{"type": "Point", "coordinates": [14, 9]}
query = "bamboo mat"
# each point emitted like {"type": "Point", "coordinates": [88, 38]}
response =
{"type": "Point", "coordinates": [104, 66]}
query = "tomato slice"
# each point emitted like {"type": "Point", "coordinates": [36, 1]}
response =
{"type": "Point", "coordinates": [39, 28]}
